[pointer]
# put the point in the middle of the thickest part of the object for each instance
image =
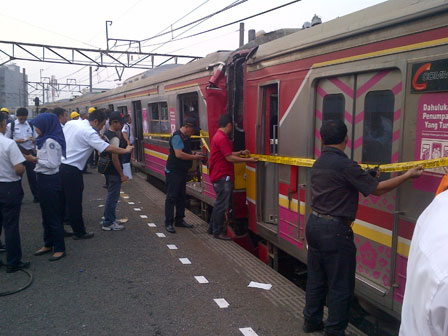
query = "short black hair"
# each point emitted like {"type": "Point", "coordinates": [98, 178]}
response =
{"type": "Point", "coordinates": [43, 110]}
{"type": "Point", "coordinates": [97, 115]}
{"type": "Point", "coordinates": [333, 132]}
{"type": "Point", "coordinates": [224, 120]}
{"type": "Point", "coordinates": [22, 112]}
{"type": "Point", "coordinates": [59, 111]}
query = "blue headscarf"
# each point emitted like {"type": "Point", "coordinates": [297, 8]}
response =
{"type": "Point", "coordinates": [49, 125]}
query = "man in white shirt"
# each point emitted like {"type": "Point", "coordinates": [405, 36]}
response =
{"type": "Point", "coordinates": [25, 136]}
{"type": "Point", "coordinates": [11, 195]}
{"type": "Point", "coordinates": [81, 137]}
{"type": "Point", "coordinates": [425, 304]}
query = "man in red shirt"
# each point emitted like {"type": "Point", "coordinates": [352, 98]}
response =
{"type": "Point", "coordinates": [221, 174]}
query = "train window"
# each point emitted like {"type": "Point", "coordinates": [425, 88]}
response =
{"type": "Point", "coordinates": [158, 114]}
{"type": "Point", "coordinates": [378, 126]}
{"type": "Point", "coordinates": [189, 108]}
{"type": "Point", "coordinates": [333, 107]}
{"type": "Point", "coordinates": [123, 109]}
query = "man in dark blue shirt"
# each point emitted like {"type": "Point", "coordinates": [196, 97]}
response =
{"type": "Point", "coordinates": [335, 185]}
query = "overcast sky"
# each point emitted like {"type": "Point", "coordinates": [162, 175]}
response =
{"type": "Point", "coordinates": [81, 23]}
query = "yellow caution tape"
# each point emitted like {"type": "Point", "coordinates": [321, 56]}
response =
{"type": "Point", "coordinates": [385, 168]}
{"type": "Point", "coordinates": [304, 162]}
{"type": "Point", "coordinates": [165, 135]}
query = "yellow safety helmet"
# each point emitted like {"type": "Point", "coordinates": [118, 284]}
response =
{"type": "Point", "coordinates": [4, 109]}
{"type": "Point", "coordinates": [91, 109]}
{"type": "Point", "coordinates": [74, 114]}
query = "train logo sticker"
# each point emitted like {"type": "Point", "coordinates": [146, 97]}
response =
{"type": "Point", "coordinates": [431, 137]}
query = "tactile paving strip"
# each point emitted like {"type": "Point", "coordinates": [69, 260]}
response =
{"type": "Point", "coordinates": [283, 292]}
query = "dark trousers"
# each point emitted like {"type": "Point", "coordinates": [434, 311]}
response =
{"type": "Point", "coordinates": [223, 190]}
{"type": "Point", "coordinates": [73, 187]}
{"type": "Point", "coordinates": [52, 206]}
{"type": "Point", "coordinates": [176, 187]}
{"type": "Point", "coordinates": [11, 195]}
{"type": "Point", "coordinates": [331, 271]}
{"type": "Point", "coordinates": [113, 194]}
{"type": "Point", "coordinates": [31, 176]}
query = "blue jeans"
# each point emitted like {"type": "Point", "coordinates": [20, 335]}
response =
{"type": "Point", "coordinates": [223, 190]}
{"type": "Point", "coordinates": [331, 271]}
{"type": "Point", "coordinates": [113, 194]}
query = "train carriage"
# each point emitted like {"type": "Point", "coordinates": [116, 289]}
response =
{"type": "Point", "coordinates": [382, 70]}
{"type": "Point", "coordinates": [367, 69]}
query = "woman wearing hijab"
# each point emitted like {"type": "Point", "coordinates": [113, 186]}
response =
{"type": "Point", "coordinates": [50, 148]}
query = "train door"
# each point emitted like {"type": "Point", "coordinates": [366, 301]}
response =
{"type": "Point", "coordinates": [369, 104]}
{"type": "Point", "coordinates": [267, 172]}
{"type": "Point", "coordinates": [377, 141]}
{"type": "Point", "coordinates": [138, 122]}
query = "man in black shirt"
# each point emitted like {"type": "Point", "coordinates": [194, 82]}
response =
{"type": "Point", "coordinates": [335, 185]}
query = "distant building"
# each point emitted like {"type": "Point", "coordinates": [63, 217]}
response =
{"type": "Point", "coordinates": [13, 89]}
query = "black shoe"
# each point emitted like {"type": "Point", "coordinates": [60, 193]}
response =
{"type": "Point", "coordinates": [18, 267]}
{"type": "Point", "coordinates": [222, 237]}
{"type": "Point", "coordinates": [68, 233]}
{"type": "Point", "coordinates": [309, 328]}
{"type": "Point", "coordinates": [170, 228]}
{"type": "Point", "coordinates": [184, 224]}
{"type": "Point", "coordinates": [210, 231]}
{"type": "Point", "coordinates": [86, 235]}
{"type": "Point", "coordinates": [36, 200]}
{"type": "Point", "coordinates": [328, 333]}
{"type": "Point", "coordinates": [53, 258]}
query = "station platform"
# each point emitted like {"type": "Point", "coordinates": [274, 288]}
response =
{"type": "Point", "coordinates": [143, 280]}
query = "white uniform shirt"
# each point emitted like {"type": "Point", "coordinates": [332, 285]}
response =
{"type": "Point", "coordinates": [128, 130]}
{"type": "Point", "coordinates": [425, 305]}
{"type": "Point", "coordinates": [49, 158]}
{"type": "Point", "coordinates": [81, 138]}
{"type": "Point", "coordinates": [10, 156]}
{"type": "Point", "coordinates": [22, 131]}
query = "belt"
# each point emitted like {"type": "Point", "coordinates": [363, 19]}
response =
{"type": "Point", "coordinates": [339, 219]}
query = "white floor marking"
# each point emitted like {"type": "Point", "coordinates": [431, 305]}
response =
{"type": "Point", "coordinates": [201, 279]}
{"type": "Point", "coordinates": [172, 247]}
{"type": "Point", "coordinates": [100, 206]}
{"type": "Point", "coordinates": [260, 285]}
{"type": "Point", "coordinates": [248, 332]}
{"type": "Point", "coordinates": [143, 216]}
{"type": "Point", "coordinates": [222, 303]}
{"type": "Point", "coordinates": [160, 235]}
{"type": "Point", "coordinates": [121, 192]}
{"type": "Point", "coordinates": [137, 209]}
{"type": "Point", "coordinates": [185, 261]}
{"type": "Point", "coordinates": [126, 197]}
{"type": "Point", "coordinates": [151, 225]}
{"type": "Point", "coordinates": [131, 203]}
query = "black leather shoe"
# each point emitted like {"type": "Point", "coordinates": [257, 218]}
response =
{"type": "Point", "coordinates": [309, 328]}
{"type": "Point", "coordinates": [18, 267]}
{"type": "Point", "coordinates": [210, 231]}
{"type": "Point", "coordinates": [184, 224]}
{"type": "Point", "coordinates": [36, 200]}
{"type": "Point", "coordinates": [170, 228]}
{"type": "Point", "coordinates": [86, 235]}
{"type": "Point", "coordinates": [222, 237]}
{"type": "Point", "coordinates": [68, 233]}
{"type": "Point", "coordinates": [53, 258]}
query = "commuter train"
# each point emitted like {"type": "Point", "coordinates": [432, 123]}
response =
{"type": "Point", "coordinates": [383, 70]}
